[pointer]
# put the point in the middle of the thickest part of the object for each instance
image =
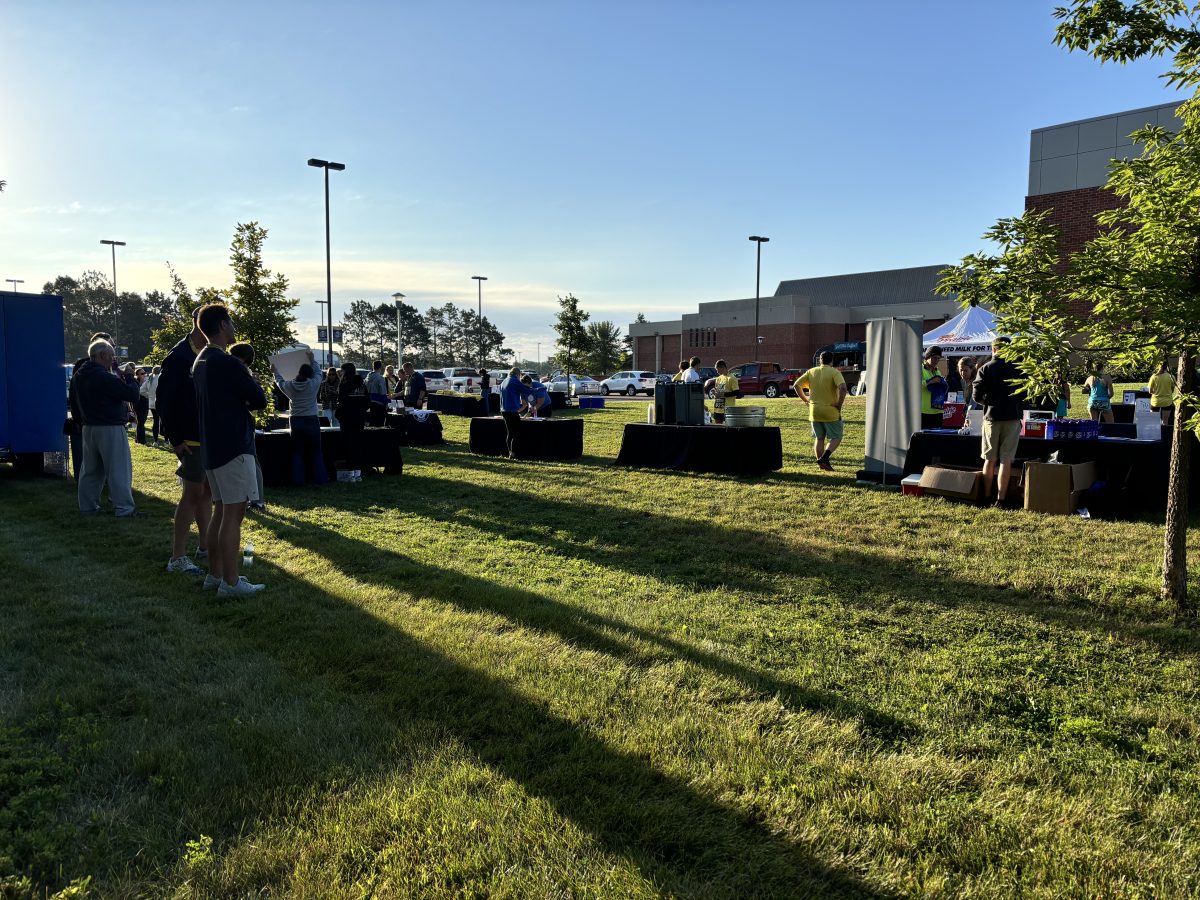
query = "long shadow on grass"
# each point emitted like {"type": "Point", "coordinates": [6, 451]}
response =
{"type": "Point", "coordinates": [682, 841]}
{"type": "Point", "coordinates": [581, 627]}
{"type": "Point", "coordinates": [754, 560]}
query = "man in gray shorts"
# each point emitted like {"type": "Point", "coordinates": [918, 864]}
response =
{"type": "Point", "coordinates": [226, 393]}
{"type": "Point", "coordinates": [995, 387]}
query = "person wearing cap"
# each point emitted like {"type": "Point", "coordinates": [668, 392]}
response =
{"type": "Point", "coordinates": [995, 387]}
{"type": "Point", "coordinates": [933, 390]}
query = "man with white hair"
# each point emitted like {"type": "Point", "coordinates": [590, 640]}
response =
{"type": "Point", "coordinates": [103, 400]}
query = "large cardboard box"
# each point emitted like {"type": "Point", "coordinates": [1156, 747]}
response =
{"type": "Point", "coordinates": [959, 482]}
{"type": "Point", "coordinates": [1055, 488]}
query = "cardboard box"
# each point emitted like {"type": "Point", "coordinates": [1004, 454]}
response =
{"type": "Point", "coordinates": [959, 482]}
{"type": "Point", "coordinates": [954, 415]}
{"type": "Point", "coordinates": [1054, 488]}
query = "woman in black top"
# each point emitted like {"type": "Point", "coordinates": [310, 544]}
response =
{"type": "Point", "coordinates": [352, 414]}
{"type": "Point", "coordinates": [485, 391]}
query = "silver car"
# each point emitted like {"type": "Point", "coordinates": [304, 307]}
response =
{"type": "Point", "coordinates": [579, 385]}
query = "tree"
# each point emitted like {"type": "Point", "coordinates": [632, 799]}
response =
{"type": "Point", "coordinates": [177, 321]}
{"type": "Point", "coordinates": [606, 348]}
{"type": "Point", "coordinates": [572, 335]}
{"type": "Point", "coordinates": [413, 332]}
{"type": "Point", "coordinates": [261, 309]}
{"type": "Point", "coordinates": [1140, 278]}
{"type": "Point", "coordinates": [357, 323]}
{"type": "Point", "coordinates": [435, 323]}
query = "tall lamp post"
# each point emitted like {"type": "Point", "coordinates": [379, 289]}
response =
{"type": "Point", "coordinates": [398, 297]}
{"type": "Point", "coordinates": [115, 245]}
{"type": "Point", "coordinates": [479, 280]}
{"type": "Point", "coordinates": [14, 282]}
{"type": "Point", "coordinates": [757, 291]}
{"type": "Point", "coordinates": [337, 167]}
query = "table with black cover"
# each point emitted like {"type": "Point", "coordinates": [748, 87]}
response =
{"type": "Point", "coordinates": [380, 450]}
{"type": "Point", "coordinates": [414, 431]}
{"type": "Point", "coordinates": [536, 438]}
{"type": "Point", "coordinates": [455, 405]}
{"type": "Point", "coordinates": [702, 448]}
{"type": "Point", "coordinates": [1137, 469]}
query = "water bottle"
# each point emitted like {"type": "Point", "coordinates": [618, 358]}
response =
{"type": "Point", "coordinates": [248, 554]}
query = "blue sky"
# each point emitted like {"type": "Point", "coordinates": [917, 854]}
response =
{"type": "Point", "coordinates": [622, 151]}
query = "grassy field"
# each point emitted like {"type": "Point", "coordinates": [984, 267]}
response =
{"type": "Point", "coordinates": [568, 680]}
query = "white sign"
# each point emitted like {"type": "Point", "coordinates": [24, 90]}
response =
{"type": "Point", "coordinates": [288, 363]}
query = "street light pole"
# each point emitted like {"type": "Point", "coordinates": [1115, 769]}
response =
{"type": "Point", "coordinates": [115, 245]}
{"type": "Point", "coordinates": [757, 290]}
{"type": "Point", "coordinates": [337, 167]}
{"type": "Point", "coordinates": [329, 360]}
{"type": "Point", "coordinates": [14, 282]}
{"type": "Point", "coordinates": [399, 343]}
{"type": "Point", "coordinates": [479, 280]}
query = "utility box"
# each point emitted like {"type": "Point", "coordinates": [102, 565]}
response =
{"type": "Point", "coordinates": [33, 398]}
{"type": "Point", "coordinates": [1056, 488]}
{"type": "Point", "coordinates": [689, 403]}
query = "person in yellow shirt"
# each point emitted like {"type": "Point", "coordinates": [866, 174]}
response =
{"type": "Point", "coordinates": [1162, 393]}
{"type": "Point", "coordinates": [725, 391]}
{"type": "Point", "coordinates": [826, 392]}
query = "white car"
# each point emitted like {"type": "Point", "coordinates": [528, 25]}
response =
{"type": "Point", "coordinates": [580, 384]}
{"type": "Point", "coordinates": [631, 383]}
{"type": "Point", "coordinates": [435, 380]}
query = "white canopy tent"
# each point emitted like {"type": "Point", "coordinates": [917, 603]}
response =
{"type": "Point", "coordinates": [970, 333]}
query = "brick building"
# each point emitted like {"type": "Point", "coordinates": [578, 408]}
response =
{"type": "Point", "coordinates": [1068, 166]}
{"type": "Point", "coordinates": [802, 316]}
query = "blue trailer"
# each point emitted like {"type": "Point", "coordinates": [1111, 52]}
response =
{"type": "Point", "coordinates": [32, 354]}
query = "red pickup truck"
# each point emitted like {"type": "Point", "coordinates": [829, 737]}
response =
{"type": "Point", "coordinates": [768, 379]}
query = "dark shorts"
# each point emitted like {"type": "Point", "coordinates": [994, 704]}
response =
{"type": "Point", "coordinates": [191, 467]}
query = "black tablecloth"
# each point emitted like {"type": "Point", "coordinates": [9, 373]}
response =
{"type": "Point", "coordinates": [380, 449]}
{"type": "Point", "coordinates": [702, 448]}
{"type": "Point", "coordinates": [536, 439]}
{"type": "Point", "coordinates": [413, 431]}
{"type": "Point", "coordinates": [457, 406]}
{"type": "Point", "coordinates": [1139, 469]}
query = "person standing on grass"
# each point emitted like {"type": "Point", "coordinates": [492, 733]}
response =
{"type": "Point", "coordinates": [1099, 391]}
{"type": "Point", "coordinates": [485, 391]}
{"type": "Point", "coordinates": [539, 403]}
{"type": "Point", "coordinates": [725, 390]}
{"type": "Point", "coordinates": [327, 395]}
{"type": "Point", "coordinates": [377, 393]}
{"type": "Point", "coordinates": [244, 353]}
{"type": "Point", "coordinates": [1162, 393]}
{"type": "Point", "coordinates": [304, 424]}
{"type": "Point", "coordinates": [514, 395]}
{"type": "Point", "coordinates": [103, 399]}
{"type": "Point", "coordinates": [826, 393]}
{"type": "Point", "coordinates": [966, 374]}
{"type": "Point", "coordinates": [142, 406]}
{"type": "Point", "coordinates": [176, 403]}
{"type": "Point", "coordinates": [150, 390]}
{"type": "Point", "coordinates": [352, 412]}
{"type": "Point", "coordinates": [226, 395]}
{"type": "Point", "coordinates": [414, 387]}
{"type": "Point", "coordinates": [683, 367]}
{"type": "Point", "coordinates": [692, 375]}
{"type": "Point", "coordinates": [995, 388]}
{"type": "Point", "coordinates": [933, 389]}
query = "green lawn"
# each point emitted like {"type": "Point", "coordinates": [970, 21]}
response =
{"type": "Point", "coordinates": [569, 680]}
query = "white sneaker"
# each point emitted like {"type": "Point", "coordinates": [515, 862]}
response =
{"type": "Point", "coordinates": [184, 565]}
{"type": "Point", "coordinates": [201, 553]}
{"type": "Point", "coordinates": [211, 583]}
{"type": "Point", "coordinates": [243, 588]}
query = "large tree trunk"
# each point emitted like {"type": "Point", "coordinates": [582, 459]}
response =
{"type": "Point", "coordinates": [1174, 578]}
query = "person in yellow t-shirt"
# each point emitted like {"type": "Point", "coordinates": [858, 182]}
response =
{"type": "Point", "coordinates": [725, 391]}
{"type": "Point", "coordinates": [1162, 393]}
{"type": "Point", "coordinates": [826, 392]}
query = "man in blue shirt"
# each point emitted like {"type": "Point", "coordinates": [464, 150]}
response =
{"type": "Point", "coordinates": [540, 404]}
{"type": "Point", "coordinates": [514, 395]}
